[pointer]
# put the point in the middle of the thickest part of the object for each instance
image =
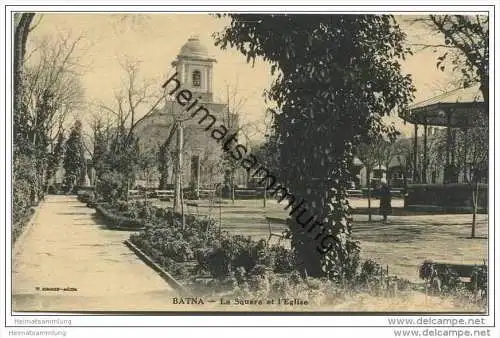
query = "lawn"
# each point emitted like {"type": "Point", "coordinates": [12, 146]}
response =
{"type": "Point", "coordinates": [402, 244]}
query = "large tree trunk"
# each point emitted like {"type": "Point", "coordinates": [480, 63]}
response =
{"type": "Point", "coordinates": [321, 227]}
{"type": "Point", "coordinates": [20, 37]}
{"type": "Point", "coordinates": [19, 44]}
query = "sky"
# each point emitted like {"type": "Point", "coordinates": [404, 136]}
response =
{"type": "Point", "coordinates": [155, 40]}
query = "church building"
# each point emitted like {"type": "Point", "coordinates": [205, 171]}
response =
{"type": "Point", "coordinates": [202, 155]}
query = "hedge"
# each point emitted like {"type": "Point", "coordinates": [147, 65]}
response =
{"type": "Point", "coordinates": [19, 226]}
{"type": "Point", "coordinates": [117, 221]}
{"type": "Point", "coordinates": [451, 197]}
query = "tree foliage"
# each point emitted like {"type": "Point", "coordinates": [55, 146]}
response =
{"type": "Point", "coordinates": [164, 163]}
{"type": "Point", "coordinates": [46, 89]}
{"type": "Point", "coordinates": [468, 38]}
{"type": "Point", "coordinates": [24, 171]}
{"type": "Point", "coordinates": [231, 118]}
{"type": "Point", "coordinates": [117, 154]}
{"type": "Point", "coordinates": [22, 29]}
{"type": "Point", "coordinates": [366, 152]}
{"type": "Point", "coordinates": [336, 76]}
{"type": "Point", "coordinates": [101, 137]}
{"type": "Point", "coordinates": [74, 159]}
{"type": "Point", "coordinates": [373, 154]}
{"type": "Point", "coordinates": [378, 151]}
{"type": "Point", "coordinates": [55, 156]}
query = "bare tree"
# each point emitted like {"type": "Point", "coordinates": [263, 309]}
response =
{"type": "Point", "coordinates": [475, 145]}
{"type": "Point", "coordinates": [137, 100]}
{"type": "Point", "coordinates": [53, 88]}
{"type": "Point", "coordinates": [231, 118]}
{"type": "Point", "coordinates": [97, 143]}
{"type": "Point", "coordinates": [403, 149]}
{"type": "Point", "coordinates": [24, 173]}
{"type": "Point", "coordinates": [129, 22]}
{"type": "Point", "coordinates": [385, 152]}
{"type": "Point", "coordinates": [50, 91]}
{"type": "Point", "coordinates": [465, 44]}
{"type": "Point", "coordinates": [366, 152]}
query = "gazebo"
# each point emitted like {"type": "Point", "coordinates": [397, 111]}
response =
{"type": "Point", "coordinates": [455, 109]}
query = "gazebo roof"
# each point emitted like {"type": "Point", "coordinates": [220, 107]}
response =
{"type": "Point", "coordinates": [357, 162]}
{"type": "Point", "coordinates": [457, 108]}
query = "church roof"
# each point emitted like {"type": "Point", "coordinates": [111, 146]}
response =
{"type": "Point", "coordinates": [193, 48]}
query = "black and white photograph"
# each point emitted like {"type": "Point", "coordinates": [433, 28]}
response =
{"type": "Point", "coordinates": [260, 162]}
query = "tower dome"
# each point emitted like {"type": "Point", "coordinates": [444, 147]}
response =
{"type": "Point", "coordinates": [194, 48]}
{"type": "Point", "coordinates": [194, 66]}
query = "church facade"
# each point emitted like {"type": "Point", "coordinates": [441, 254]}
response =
{"type": "Point", "coordinates": [202, 156]}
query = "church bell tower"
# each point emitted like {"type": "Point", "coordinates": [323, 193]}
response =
{"type": "Point", "coordinates": [195, 69]}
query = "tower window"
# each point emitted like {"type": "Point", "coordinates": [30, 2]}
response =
{"type": "Point", "coordinates": [196, 78]}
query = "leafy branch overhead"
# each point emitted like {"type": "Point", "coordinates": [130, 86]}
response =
{"type": "Point", "coordinates": [336, 76]}
{"type": "Point", "coordinates": [468, 38]}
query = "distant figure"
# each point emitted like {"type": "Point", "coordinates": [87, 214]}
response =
{"type": "Point", "coordinates": [86, 181]}
{"type": "Point", "coordinates": [71, 182]}
{"type": "Point", "coordinates": [385, 199]}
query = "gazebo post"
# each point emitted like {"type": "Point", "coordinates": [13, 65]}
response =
{"type": "Point", "coordinates": [448, 140]}
{"type": "Point", "coordinates": [453, 110]}
{"type": "Point", "coordinates": [453, 142]}
{"type": "Point", "coordinates": [415, 157]}
{"type": "Point", "coordinates": [466, 143]}
{"type": "Point", "coordinates": [424, 164]}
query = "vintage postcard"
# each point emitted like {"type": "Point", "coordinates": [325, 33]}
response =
{"type": "Point", "coordinates": [248, 162]}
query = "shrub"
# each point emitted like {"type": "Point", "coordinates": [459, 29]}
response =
{"type": "Point", "coordinates": [248, 257]}
{"type": "Point", "coordinates": [238, 263]}
{"type": "Point", "coordinates": [179, 250]}
{"type": "Point", "coordinates": [219, 255]}
{"type": "Point", "coordinates": [284, 259]}
{"type": "Point", "coordinates": [121, 206]}
{"type": "Point", "coordinates": [479, 279]}
{"type": "Point", "coordinates": [217, 262]}
{"type": "Point", "coordinates": [52, 189]}
{"type": "Point", "coordinates": [18, 227]}
{"type": "Point", "coordinates": [86, 196]}
{"type": "Point", "coordinates": [372, 273]}
{"type": "Point", "coordinates": [449, 196]}
{"type": "Point", "coordinates": [21, 202]}
{"type": "Point", "coordinates": [117, 220]}
{"type": "Point", "coordinates": [112, 186]}
{"type": "Point", "coordinates": [190, 195]}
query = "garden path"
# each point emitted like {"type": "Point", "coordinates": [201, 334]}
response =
{"type": "Point", "coordinates": [66, 247]}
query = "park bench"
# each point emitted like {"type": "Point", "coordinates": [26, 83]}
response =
{"type": "Point", "coordinates": [242, 193]}
{"type": "Point", "coordinates": [206, 193]}
{"type": "Point", "coordinates": [191, 206]}
{"type": "Point", "coordinates": [164, 194]}
{"type": "Point", "coordinates": [275, 221]}
{"type": "Point", "coordinates": [134, 194]}
{"type": "Point", "coordinates": [440, 276]}
{"type": "Point", "coordinates": [144, 192]}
